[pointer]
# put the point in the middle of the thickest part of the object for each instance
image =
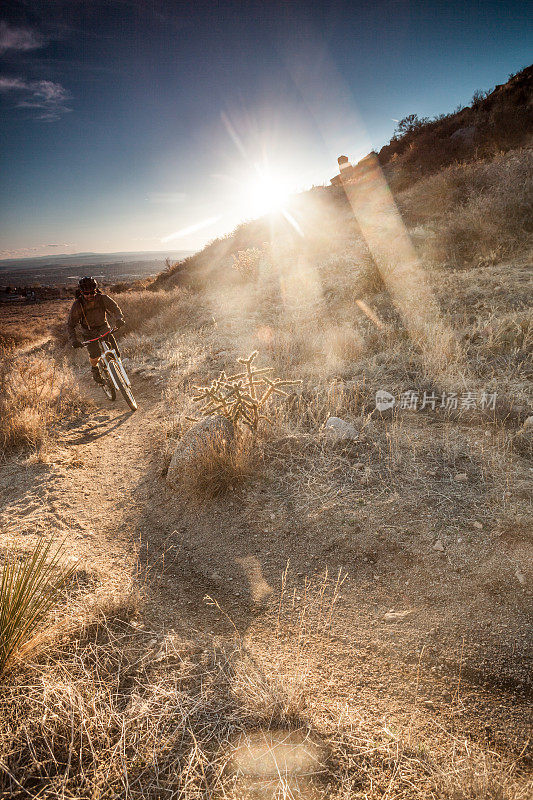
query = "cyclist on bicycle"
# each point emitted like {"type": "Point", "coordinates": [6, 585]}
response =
{"type": "Point", "coordinates": [90, 310]}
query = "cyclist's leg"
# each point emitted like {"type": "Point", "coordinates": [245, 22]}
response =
{"type": "Point", "coordinates": [94, 358]}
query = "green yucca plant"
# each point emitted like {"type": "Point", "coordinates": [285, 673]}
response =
{"type": "Point", "coordinates": [29, 587]}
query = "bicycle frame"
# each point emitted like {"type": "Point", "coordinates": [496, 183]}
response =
{"type": "Point", "coordinates": [108, 353]}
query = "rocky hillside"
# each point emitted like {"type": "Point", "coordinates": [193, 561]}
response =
{"type": "Point", "coordinates": [495, 122]}
{"type": "Point", "coordinates": [462, 183]}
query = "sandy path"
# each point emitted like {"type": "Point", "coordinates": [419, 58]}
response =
{"type": "Point", "coordinates": [84, 490]}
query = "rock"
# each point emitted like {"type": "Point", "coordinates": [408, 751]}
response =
{"type": "Point", "coordinates": [528, 424]}
{"type": "Point", "coordinates": [204, 434]}
{"type": "Point", "coordinates": [438, 546]}
{"type": "Point", "coordinates": [461, 477]}
{"type": "Point", "coordinates": [520, 577]}
{"type": "Point", "coordinates": [397, 616]}
{"type": "Point", "coordinates": [478, 525]}
{"type": "Point", "coordinates": [465, 135]}
{"type": "Point", "coordinates": [339, 430]}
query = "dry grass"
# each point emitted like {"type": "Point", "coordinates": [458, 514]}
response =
{"type": "Point", "coordinates": [119, 711]}
{"type": "Point", "coordinates": [29, 323]}
{"type": "Point", "coordinates": [215, 469]}
{"type": "Point", "coordinates": [475, 213]}
{"type": "Point", "coordinates": [36, 392]}
{"type": "Point", "coordinates": [246, 263]}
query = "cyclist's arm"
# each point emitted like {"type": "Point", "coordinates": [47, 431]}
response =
{"type": "Point", "coordinates": [111, 307]}
{"type": "Point", "coordinates": [73, 319]}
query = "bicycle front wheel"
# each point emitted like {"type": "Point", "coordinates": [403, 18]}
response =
{"type": "Point", "coordinates": [125, 390]}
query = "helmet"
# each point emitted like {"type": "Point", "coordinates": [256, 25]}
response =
{"type": "Point", "coordinates": [87, 284]}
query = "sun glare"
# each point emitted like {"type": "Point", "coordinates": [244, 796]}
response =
{"type": "Point", "coordinates": [266, 193]}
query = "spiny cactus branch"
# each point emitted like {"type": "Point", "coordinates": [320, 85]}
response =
{"type": "Point", "coordinates": [239, 397]}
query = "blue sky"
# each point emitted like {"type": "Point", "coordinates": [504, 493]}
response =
{"type": "Point", "coordinates": [136, 125]}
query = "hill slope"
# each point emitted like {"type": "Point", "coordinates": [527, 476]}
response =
{"type": "Point", "coordinates": [359, 607]}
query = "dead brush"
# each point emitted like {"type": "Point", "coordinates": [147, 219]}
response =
{"type": "Point", "coordinates": [246, 263]}
{"type": "Point", "coordinates": [217, 468]}
{"type": "Point", "coordinates": [142, 714]}
{"type": "Point", "coordinates": [35, 392]}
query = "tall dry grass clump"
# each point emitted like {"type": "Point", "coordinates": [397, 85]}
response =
{"type": "Point", "coordinates": [140, 307]}
{"type": "Point", "coordinates": [29, 588]}
{"type": "Point", "coordinates": [217, 468]}
{"type": "Point", "coordinates": [35, 392]}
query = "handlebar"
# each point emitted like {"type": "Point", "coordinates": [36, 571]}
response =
{"type": "Point", "coordinates": [113, 330]}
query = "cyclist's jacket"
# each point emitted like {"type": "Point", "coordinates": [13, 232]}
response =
{"type": "Point", "coordinates": [92, 315]}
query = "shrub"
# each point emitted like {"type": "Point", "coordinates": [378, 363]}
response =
{"type": "Point", "coordinates": [215, 469]}
{"type": "Point", "coordinates": [247, 262]}
{"type": "Point", "coordinates": [28, 590]}
{"type": "Point", "coordinates": [479, 212]}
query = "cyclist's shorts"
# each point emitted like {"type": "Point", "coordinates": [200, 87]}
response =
{"type": "Point", "coordinates": [94, 347]}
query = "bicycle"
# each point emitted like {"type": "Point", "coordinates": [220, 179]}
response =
{"type": "Point", "coordinates": [115, 376]}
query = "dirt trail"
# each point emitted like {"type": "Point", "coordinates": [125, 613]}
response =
{"type": "Point", "coordinates": [84, 489]}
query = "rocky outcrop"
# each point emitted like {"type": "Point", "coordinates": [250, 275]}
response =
{"type": "Point", "coordinates": [216, 431]}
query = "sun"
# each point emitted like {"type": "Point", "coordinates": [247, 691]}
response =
{"type": "Point", "coordinates": [266, 193]}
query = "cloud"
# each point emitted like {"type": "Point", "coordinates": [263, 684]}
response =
{"type": "Point", "coordinates": [22, 39]}
{"type": "Point", "coordinates": [47, 99]}
{"type": "Point", "coordinates": [30, 251]}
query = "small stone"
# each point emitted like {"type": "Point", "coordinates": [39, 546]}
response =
{"type": "Point", "coordinates": [461, 477]}
{"type": "Point", "coordinates": [428, 704]}
{"type": "Point", "coordinates": [521, 578]}
{"type": "Point", "coordinates": [340, 430]}
{"type": "Point", "coordinates": [529, 422]}
{"type": "Point", "coordinates": [478, 525]}
{"type": "Point", "coordinates": [397, 616]}
{"type": "Point", "coordinates": [438, 546]}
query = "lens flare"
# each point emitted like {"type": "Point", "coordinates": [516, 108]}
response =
{"type": "Point", "coordinates": [266, 193]}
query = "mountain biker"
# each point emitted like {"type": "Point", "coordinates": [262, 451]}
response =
{"type": "Point", "coordinates": [90, 310]}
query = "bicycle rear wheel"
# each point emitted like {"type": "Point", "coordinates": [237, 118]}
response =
{"type": "Point", "coordinates": [125, 390]}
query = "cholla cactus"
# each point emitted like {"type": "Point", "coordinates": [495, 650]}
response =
{"type": "Point", "coordinates": [246, 262]}
{"type": "Point", "coordinates": [240, 398]}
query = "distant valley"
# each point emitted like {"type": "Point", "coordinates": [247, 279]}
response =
{"type": "Point", "coordinates": [67, 269]}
